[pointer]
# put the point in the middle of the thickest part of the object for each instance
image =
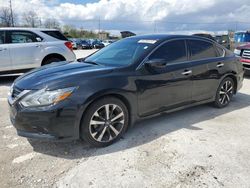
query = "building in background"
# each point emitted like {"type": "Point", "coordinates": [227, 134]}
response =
{"type": "Point", "coordinates": [125, 34]}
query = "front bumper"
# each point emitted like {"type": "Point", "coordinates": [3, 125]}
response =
{"type": "Point", "coordinates": [246, 64]}
{"type": "Point", "coordinates": [47, 124]}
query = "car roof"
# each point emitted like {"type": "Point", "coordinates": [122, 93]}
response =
{"type": "Point", "coordinates": [163, 37]}
{"type": "Point", "coordinates": [27, 28]}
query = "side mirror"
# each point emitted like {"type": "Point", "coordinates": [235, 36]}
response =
{"type": "Point", "coordinates": [38, 39]}
{"type": "Point", "coordinates": [81, 59]}
{"type": "Point", "coordinates": [156, 65]}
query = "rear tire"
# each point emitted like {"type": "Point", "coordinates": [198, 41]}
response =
{"type": "Point", "coordinates": [224, 93]}
{"type": "Point", "coordinates": [51, 60]}
{"type": "Point", "coordinates": [104, 122]}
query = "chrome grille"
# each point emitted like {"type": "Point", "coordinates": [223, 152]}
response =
{"type": "Point", "coordinates": [246, 54]}
{"type": "Point", "coordinates": [16, 91]}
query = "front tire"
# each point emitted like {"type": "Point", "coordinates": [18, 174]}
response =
{"type": "Point", "coordinates": [104, 122]}
{"type": "Point", "coordinates": [224, 93]}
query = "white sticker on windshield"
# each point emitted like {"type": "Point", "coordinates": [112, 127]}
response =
{"type": "Point", "coordinates": [147, 41]}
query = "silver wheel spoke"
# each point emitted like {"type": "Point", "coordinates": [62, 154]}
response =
{"type": "Point", "coordinates": [113, 109]}
{"type": "Point", "coordinates": [94, 134]}
{"type": "Point", "coordinates": [101, 135]}
{"type": "Point", "coordinates": [230, 89]}
{"type": "Point", "coordinates": [106, 123]}
{"type": "Point", "coordinates": [110, 137]}
{"type": "Point", "coordinates": [223, 99]}
{"type": "Point", "coordinates": [225, 92]}
{"type": "Point", "coordinates": [93, 122]}
{"type": "Point", "coordinates": [117, 117]}
{"type": "Point", "coordinates": [228, 98]}
{"type": "Point", "coordinates": [114, 130]}
{"type": "Point", "coordinates": [222, 92]}
{"type": "Point", "coordinates": [96, 114]}
{"type": "Point", "coordinates": [107, 111]}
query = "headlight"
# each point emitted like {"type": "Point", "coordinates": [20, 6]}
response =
{"type": "Point", "coordinates": [45, 97]}
{"type": "Point", "coordinates": [237, 52]}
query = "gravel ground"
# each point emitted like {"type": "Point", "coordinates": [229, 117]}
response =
{"type": "Point", "coordinates": [197, 147]}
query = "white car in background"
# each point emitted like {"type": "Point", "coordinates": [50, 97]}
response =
{"type": "Point", "coordinates": [26, 48]}
{"type": "Point", "coordinates": [107, 42]}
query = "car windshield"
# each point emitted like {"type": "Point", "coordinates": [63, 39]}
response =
{"type": "Point", "coordinates": [123, 52]}
{"type": "Point", "coordinates": [242, 37]}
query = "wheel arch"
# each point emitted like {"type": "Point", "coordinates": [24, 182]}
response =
{"type": "Point", "coordinates": [53, 55]}
{"type": "Point", "coordinates": [121, 95]}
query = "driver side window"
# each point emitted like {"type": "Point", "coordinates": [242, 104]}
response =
{"type": "Point", "coordinates": [171, 52]}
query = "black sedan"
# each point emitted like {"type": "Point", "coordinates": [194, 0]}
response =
{"type": "Point", "coordinates": [97, 44]}
{"type": "Point", "coordinates": [98, 98]}
{"type": "Point", "coordinates": [85, 44]}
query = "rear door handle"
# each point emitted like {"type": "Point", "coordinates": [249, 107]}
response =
{"type": "Point", "coordinates": [38, 45]}
{"type": "Point", "coordinates": [186, 72]}
{"type": "Point", "coordinates": [220, 65]}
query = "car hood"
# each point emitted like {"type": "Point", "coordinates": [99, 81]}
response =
{"type": "Point", "coordinates": [244, 46]}
{"type": "Point", "coordinates": [59, 75]}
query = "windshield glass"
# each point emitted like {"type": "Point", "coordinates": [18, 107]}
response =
{"type": "Point", "coordinates": [242, 37]}
{"type": "Point", "coordinates": [123, 52]}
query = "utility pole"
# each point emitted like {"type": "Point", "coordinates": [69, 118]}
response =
{"type": "Point", "coordinates": [236, 26]}
{"type": "Point", "coordinates": [11, 14]}
{"type": "Point", "coordinates": [155, 30]}
{"type": "Point", "coordinates": [99, 27]}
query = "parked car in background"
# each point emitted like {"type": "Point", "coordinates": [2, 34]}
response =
{"type": "Point", "coordinates": [96, 44]}
{"type": "Point", "coordinates": [205, 35]}
{"type": "Point", "coordinates": [107, 42]}
{"type": "Point", "coordinates": [241, 38]}
{"type": "Point", "coordinates": [85, 44]}
{"type": "Point", "coordinates": [27, 48]}
{"type": "Point", "coordinates": [76, 43]}
{"type": "Point", "coordinates": [243, 52]}
{"type": "Point", "coordinates": [100, 97]}
{"type": "Point", "coordinates": [224, 40]}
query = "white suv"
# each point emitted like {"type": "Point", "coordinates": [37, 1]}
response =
{"type": "Point", "coordinates": [27, 48]}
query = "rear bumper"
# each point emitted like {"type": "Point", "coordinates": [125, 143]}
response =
{"type": "Point", "coordinates": [69, 55]}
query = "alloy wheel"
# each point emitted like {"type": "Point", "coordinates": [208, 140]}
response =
{"type": "Point", "coordinates": [226, 92]}
{"type": "Point", "coordinates": [106, 123]}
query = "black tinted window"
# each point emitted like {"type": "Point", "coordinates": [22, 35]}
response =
{"type": "Point", "coordinates": [172, 52]}
{"type": "Point", "coordinates": [23, 37]}
{"type": "Point", "coordinates": [2, 37]}
{"type": "Point", "coordinates": [201, 49]}
{"type": "Point", "coordinates": [123, 52]}
{"type": "Point", "coordinates": [55, 34]}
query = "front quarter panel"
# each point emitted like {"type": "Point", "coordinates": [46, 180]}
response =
{"type": "Point", "coordinates": [121, 86]}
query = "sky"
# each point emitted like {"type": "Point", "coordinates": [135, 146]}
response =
{"type": "Point", "coordinates": [142, 16]}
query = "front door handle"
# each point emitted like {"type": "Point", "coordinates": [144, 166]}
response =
{"type": "Point", "coordinates": [220, 65]}
{"type": "Point", "coordinates": [186, 72]}
{"type": "Point", "coordinates": [3, 49]}
{"type": "Point", "coordinates": [38, 45]}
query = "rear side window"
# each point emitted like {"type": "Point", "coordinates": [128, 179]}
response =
{"type": "Point", "coordinates": [23, 37]}
{"type": "Point", "coordinates": [201, 49]}
{"type": "Point", "coordinates": [55, 34]}
{"type": "Point", "coordinates": [172, 52]}
{"type": "Point", "coordinates": [221, 51]}
{"type": "Point", "coordinates": [2, 37]}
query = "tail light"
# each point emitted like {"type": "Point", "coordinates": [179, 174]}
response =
{"type": "Point", "coordinates": [69, 45]}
